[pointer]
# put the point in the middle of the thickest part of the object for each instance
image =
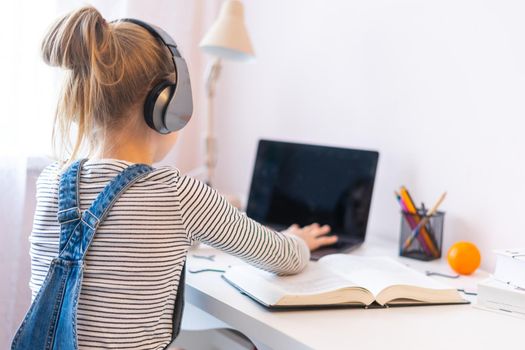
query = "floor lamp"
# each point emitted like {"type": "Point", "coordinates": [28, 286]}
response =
{"type": "Point", "coordinates": [226, 39]}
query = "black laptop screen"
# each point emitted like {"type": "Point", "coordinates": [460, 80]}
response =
{"type": "Point", "coordinates": [297, 183]}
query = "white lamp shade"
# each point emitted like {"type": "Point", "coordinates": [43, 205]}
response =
{"type": "Point", "coordinates": [227, 38]}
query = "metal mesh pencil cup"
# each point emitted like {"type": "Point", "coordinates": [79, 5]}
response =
{"type": "Point", "coordinates": [421, 236]}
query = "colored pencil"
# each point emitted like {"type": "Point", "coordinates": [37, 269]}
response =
{"type": "Point", "coordinates": [411, 222]}
{"type": "Point", "coordinates": [422, 223]}
{"type": "Point", "coordinates": [405, 195]}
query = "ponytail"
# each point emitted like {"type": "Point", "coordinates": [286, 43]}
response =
{"type": "Point", "coordinates": [110, 67]}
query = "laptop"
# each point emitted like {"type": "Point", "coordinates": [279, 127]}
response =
{"type": "Point", "coordinates": [301, 184]}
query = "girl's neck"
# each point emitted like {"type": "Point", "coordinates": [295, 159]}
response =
{"type": "Point", "coordinates": [125, 153]}
{"type": "Point", "coordinates": [126, 146]}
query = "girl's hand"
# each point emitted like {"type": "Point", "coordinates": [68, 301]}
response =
{"type": "Point", "coordinates": [314, 235]}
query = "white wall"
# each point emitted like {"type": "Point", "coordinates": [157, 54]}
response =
{"type": "Point", "coordinates": [437, 87]}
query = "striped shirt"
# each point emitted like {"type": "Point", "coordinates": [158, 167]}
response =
{"type": "Point", "coordinates": [135, 260]}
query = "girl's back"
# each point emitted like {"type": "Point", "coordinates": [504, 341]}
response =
{"type": "Point", "coordinates": [135, 260]}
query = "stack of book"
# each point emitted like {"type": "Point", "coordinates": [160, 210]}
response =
{"type": "Point", "coordinates": [505, 290]}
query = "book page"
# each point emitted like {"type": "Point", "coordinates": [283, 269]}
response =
{"type": "Point", "coordinates": [377, 273]}
{"type": "Point", "coordinates": [314, 279]}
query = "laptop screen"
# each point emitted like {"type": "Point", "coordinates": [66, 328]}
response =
{"type": "Point", "coordinates": [303, 184]}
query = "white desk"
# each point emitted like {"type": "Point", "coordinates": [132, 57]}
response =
{"type": "Point", "coordinates": [422, 327]}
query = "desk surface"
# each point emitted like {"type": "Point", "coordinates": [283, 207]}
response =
{"type": "Point", "coordinates": [422, 327]}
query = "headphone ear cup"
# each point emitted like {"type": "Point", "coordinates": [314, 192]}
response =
{"type": "Point", "coordinates": [156, 105]}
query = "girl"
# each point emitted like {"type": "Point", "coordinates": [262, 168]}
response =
{"type": "Point", "coordinates": [133, 266]}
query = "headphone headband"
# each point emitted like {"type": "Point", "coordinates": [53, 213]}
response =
{"type": "Point", "coordinates": [157, 32]}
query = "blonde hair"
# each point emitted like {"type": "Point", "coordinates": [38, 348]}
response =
{"type": "Point", "coordinates": [110, 68]}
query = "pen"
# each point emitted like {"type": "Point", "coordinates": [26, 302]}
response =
{"type": "Point", "coordinates": [428, 227]}
{"type": "Point", "coordinates": [423, 209]}
{"type": "Point", "coordinates": [412, 223]}
{"type": "Point", "coordinates": [423, 222]}
{"type": "Point", "coordinates": [424, 212]}
{"type": "Point", "coordinates": [405, 195]}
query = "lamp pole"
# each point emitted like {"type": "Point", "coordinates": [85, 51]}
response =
{"type": "Point", "coordinates": [210, 140]}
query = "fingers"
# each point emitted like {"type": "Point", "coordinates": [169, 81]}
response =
{"type": "Point", "coordinates": [321, 231]}
{"type": "Point", "coordinates": [314, 235]}
{"type": "Point", "coordinates": [316, 230]}
{"type": "Point", "coordinates": [317, 235]}
{"type": "Point", "coordinates": [323, 241]}
{"type": "Point", "coordinates": [310, 227]}
{"type": "Point", "coordinates": [327, 240]}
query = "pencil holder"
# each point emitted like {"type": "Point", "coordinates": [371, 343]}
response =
{"type": "Point", "coordinates": [421, 236]}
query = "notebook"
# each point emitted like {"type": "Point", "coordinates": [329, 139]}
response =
{"type": "Point", "coordinates": [342, 280]}
{"type": "Point", "coordinates": [301, 184]}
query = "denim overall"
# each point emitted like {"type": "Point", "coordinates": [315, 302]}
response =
{"type": "Point", "coordinates": [50, 323]}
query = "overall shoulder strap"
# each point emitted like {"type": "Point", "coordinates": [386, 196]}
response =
{"type": "Point", "coordinates": [81, 238]}
{"type": "Point", "coordinates": [68, 201]}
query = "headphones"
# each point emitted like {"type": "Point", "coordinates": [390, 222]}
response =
{"type": "Point", "coordinates": [168, 105]}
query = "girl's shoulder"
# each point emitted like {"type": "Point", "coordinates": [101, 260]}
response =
{"type": "Point", "coordinates": [107, 168]}
{"type": "Point", "coordinates": [50, 173]}
{"type": "Point", "coordinates": [164, 174]}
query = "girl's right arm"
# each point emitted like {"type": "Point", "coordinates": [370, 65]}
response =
{"type": "Point", "coordinates": [208, 217]}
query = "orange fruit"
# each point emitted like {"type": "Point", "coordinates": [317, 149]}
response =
{"type": "Point", "coordinates": [464, 257]}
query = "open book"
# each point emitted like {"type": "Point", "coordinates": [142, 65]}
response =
{"type": "Point", "coordinates": [343, 280]}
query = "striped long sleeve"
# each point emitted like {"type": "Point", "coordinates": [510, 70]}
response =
{"type": "Point", "coordinates": [208, 217]}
